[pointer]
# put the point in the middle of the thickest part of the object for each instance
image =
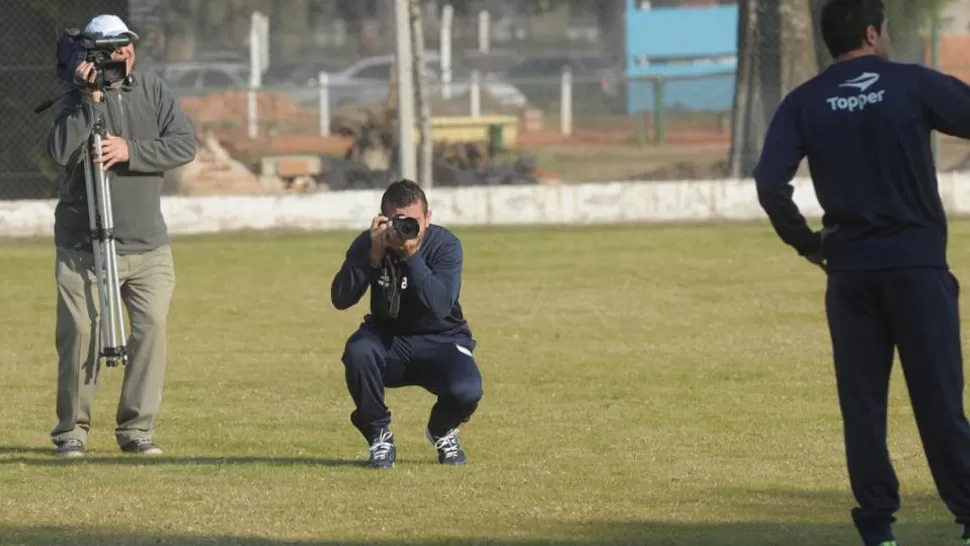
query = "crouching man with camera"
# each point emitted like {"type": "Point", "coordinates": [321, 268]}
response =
{"type": "Point", "coordinates": [415, 334]}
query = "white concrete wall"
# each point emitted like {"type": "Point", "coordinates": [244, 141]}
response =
{"type": "Point", "coordinates": [696, 200]}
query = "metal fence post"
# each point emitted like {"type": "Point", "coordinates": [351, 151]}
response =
{"type": "Point", "coordinates": [658, 114]}
{"type": "Point", "coordinates": [323, 81]}
{"type": "Point", "coordinates": [566, 101]}
{"type": "Point", "coordinates": [475, 94]}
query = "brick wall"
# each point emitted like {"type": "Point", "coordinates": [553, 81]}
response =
{"type": "Point", "coordinates": [954, 56]}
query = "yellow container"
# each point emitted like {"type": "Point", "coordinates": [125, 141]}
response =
{"type": "Point", "coordinates": [472, 129]}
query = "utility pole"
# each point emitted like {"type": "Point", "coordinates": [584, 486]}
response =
{"type": "Point", "coordinates": [421, 96]}
{"type": "Point", "coordinates": [935, 50]}
{"type": "Point", "coordinates": [405, 90]}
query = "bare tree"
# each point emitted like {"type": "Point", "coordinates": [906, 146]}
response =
{"type": "Point", "coordinates": [822, 57]}
{"type": "Point", "coordinates": [776, 53]}
{"type": "Point", "coordinates": [797, 51]}
{"type": "Point", "coordinates": [423, 105]}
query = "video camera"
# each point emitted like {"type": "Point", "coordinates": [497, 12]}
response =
{"type": "Point", "coordinates": [76, 47]}
{"type": "Point", "coordinates": [405, 226]}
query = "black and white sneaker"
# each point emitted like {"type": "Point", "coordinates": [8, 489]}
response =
{"type": "Point", "coordinates": [449, 450]}
{"type": "Point", "coordinates": [141, 446]}
{"type": "Point", "coordinates": [70, 448]}
{"type": "Point", "coordinates": [382, 451]}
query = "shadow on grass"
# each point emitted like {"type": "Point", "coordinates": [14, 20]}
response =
{"type": "Point", "coordinates": [785, 501]}
{"type": "Point", "coordinates": [642, 533]}
{"type": "Point", "coordinates": [22, 449]}
{"type": "Point", "coordinates": [136, 460]}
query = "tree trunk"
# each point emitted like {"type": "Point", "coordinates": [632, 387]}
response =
{"type": "Point", "coordinates": [776, 53]}
{"type": "Point", "coordinates": [798, 61]}
{"type": "Point", "coordinates": [422, 104]}
{"type": "Point", "coordinates": [610, 18]}
{"type": "Point", "coordinates": [822, 57]}
{"type": "Point", "coordinates": [745, 86]}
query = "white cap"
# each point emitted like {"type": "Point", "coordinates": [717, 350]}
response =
{"type": "Point", "coordinates": [109, 26]}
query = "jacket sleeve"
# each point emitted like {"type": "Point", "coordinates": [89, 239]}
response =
{"type": "Point", "coordinates": [176, 144]}
{"type": "Point", "coordinates": [355, 275]}
{"type": "Point", "coordinates": [74, 117]}
{"type": "Point", "coordinates": [782, 152]}
{"type": "Point", "coordinates": [437, 284]}
{"type": "Point", "coordinates": [946, 102]}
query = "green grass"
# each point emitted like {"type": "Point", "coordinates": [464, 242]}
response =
{"type": "Point", "coordinates": [666, 385]}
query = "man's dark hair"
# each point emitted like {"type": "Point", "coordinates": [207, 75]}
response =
{"type": "Point", "coordinates": [403, 193]}
{"type": "Point", "coordinates": [844, 23]}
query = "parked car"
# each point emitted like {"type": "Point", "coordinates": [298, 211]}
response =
{"type": "Point", "coordinates": [596, 78]}
{"type": "Point", "coordinates": [199, 77]}
{"type": "Point", "coordinates": [195, 78]}
{"type": "Point", "coordinates": [367, 81]}
{"type": "Point", "coordinates": [302, 73]}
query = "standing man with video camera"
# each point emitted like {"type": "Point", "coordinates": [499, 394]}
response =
{"type": "Point", "coordinates": [147, 135]}
{"type": "Point", "coordinates": [415, 334]}
{"type": "Point", "coordinates": [864, 124]}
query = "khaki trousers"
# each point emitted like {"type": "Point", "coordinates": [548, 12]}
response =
{"type": "Point", "coordinates": [147, 283]}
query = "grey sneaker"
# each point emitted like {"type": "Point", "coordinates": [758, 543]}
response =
{"type": "Point", "coordinates": [70, 448]}
{"type": "Point", "coordinates": [382, 451]}
{"type": "Point", "coordinates": [141, 446]}
{"type": "Point", "coordinates": [449, 450]}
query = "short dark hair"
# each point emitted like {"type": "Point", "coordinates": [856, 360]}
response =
{"type": "Point", "coordinates": [402, 193]}
{"type": "Point", "coordinates": [844, 23]}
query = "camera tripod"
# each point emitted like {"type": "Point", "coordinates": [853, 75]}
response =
{"type": "Point", "coordinates": [112, 318]}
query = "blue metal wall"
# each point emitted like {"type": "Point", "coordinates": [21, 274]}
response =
{"type": "Point", "coordinates": [674, 42]}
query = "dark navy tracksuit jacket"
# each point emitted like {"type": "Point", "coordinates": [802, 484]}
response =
{"type": "Point", "coordinates": [865, 126]}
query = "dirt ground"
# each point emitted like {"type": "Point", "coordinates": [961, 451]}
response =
{"type": "Point", "coordinates": [687, 154]}
{"type": "Point", "coordinates": [692, 148]}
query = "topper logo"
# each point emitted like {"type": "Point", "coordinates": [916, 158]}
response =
{"type": "Point", "coordinates": [861, 82]}
{"type": "Point", "coordinates": [858, 102]}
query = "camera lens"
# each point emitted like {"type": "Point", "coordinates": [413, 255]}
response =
{"type": "Point", "coordinates": [407, 227]}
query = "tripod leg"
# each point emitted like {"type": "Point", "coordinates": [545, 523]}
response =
{"type": "Point", "coordinates": [95, 224]}
{"type": "Point", "coordinates": [114, 282]}
{"type": "Point", "coordinates": [106, 265]}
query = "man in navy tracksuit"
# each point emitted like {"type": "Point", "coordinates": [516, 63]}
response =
{"type": "Point", "coordinates": [864, 124]}
{"type": "Point", "coordinates": [415, 333]}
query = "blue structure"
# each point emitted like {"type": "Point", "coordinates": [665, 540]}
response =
{"type": "Point", "coordinates": [693, 48]}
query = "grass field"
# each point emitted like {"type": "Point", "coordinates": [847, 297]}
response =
{"type": "Point", "coordinates": [643, 385]}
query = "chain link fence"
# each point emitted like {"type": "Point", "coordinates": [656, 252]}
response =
{"type": "Point", "coordinates": [590, 96]}
{"type": "Point", "coordinates": [29, 43]}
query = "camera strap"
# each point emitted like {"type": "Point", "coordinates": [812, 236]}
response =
{"type": "Point", "coordinates": [392, 292]}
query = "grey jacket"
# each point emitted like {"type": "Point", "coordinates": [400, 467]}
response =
{"type": "Point", "coordinates": [160, 138]}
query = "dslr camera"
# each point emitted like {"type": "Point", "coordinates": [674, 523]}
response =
{"type": "Point", "coordinates": [407, 227]}
{"type": "Point", "coordinates": [76, 47]}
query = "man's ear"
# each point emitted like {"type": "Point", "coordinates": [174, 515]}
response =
{"type": "Point", "coordinates": [427, 217]}
{"type": "Point", "coordinates": [872, 35]}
